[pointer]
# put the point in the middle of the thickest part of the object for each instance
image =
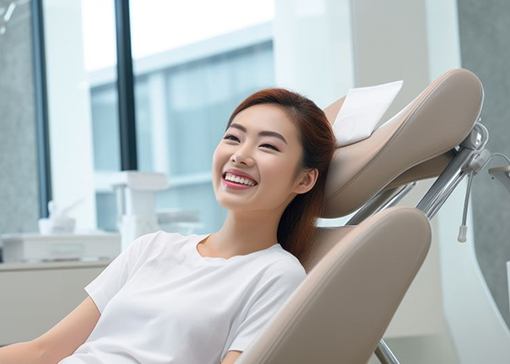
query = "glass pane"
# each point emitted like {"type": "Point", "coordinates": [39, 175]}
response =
{"type": "Point", "coordinates": [191, 72]}
{"type": "Point", "coordinates": [105, 127]}
{"type": "Point", "coordinates": [82, 98]}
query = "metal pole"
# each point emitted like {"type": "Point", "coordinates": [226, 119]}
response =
{"type": "Point", "coordinates": [125, 88]}
{"type": "Point", "coordinates": [41, 108]}
{"type": "Point", "coordinates": [384, 354]}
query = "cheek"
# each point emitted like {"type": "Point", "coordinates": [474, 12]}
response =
{"type": "Point", "coordinates": [279, 174]}
{"type": "Point", "coordinates": [216, 162]}
{"type": "Point", "coordinates": [220, 158]}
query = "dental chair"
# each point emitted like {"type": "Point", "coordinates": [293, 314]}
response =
{"type": "Point", "coordinates": [358, 274]}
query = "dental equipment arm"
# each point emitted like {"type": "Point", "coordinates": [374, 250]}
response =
{"type": "Point", "coordinates": [477, 140]}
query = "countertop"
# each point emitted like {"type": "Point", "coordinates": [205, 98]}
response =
{"type": "Point", "coordinates": [5, 267]}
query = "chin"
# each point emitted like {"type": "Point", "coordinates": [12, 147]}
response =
{"type": "Point", "coordinates": [234, 203]}
{"type": "Point", "coordinates": [230, 203]}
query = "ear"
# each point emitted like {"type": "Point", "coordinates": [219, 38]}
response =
{"type": "Point", "coordinates": [307, 180]}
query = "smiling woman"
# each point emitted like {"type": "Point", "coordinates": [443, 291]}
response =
{"type": "Point", "coordinates": [203, 299]}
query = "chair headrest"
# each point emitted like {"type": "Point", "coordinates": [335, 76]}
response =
{"type": "Point", "coordinates": [415, 144]}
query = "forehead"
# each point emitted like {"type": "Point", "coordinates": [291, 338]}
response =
{"type": "Point", "coordinates": [267, 117]}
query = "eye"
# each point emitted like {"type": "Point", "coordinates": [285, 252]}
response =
{"type": "Point", "coordinates": [270, 146]}
{"type": "Point", "coordinates": [230, 137]}
{"type": "Point", "coordinates": [233, 137]}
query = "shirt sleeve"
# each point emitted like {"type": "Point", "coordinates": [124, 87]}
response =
{"type": "Point", "coordinates": [117, 273]}
{"type": "Point", "coordinates": [272, 296]}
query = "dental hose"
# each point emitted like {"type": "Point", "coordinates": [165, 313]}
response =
{"type": "Point", "coordinates": [463, 228]}
{"type": "Point", "coordinates": [474, 167]}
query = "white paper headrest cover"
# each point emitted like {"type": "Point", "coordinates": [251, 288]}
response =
{"type": "Point", "coordinates": [362, 109]}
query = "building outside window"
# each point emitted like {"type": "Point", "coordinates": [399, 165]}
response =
{"type": "Point", "coordinates": [182, 107]}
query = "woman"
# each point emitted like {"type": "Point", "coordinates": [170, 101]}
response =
{"type": "Point", "coordinates": [170, 298]}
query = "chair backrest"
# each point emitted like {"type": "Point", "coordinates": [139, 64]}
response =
{"type": "Point", "coordinates": [415, 144]}
{"type": "Point", "coordinates": [341, 310]}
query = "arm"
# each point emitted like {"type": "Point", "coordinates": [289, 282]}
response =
{"type": "Point", "coordinates": [57, 343]}
{"type": "Point", "coordinates": [231, 357]}
{"type": "Point", "coordinates": [66, 336]}
{"type": "Point", "coordinates": [21, 353]}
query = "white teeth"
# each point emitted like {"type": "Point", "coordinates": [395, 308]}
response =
{"type": "Point", "coordinates": [245, 181]}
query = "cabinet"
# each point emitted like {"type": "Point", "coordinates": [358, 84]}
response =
{"type": "Point", "coordinates": [34, 297]}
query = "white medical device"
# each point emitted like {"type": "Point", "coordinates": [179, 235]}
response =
{"type": "Point", "coordinates": [136, 207]}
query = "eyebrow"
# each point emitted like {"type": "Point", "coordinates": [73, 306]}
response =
{"type": "Point", "coordinates": [262, 133]}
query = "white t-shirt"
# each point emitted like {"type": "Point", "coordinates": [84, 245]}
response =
{"type": "Point", "coordinates": [162, 302]}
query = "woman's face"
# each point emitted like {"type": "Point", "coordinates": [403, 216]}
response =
{"type": "Point", "coordinates": [264, 144]}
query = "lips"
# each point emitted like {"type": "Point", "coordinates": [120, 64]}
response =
{"type": "Point", "coordinates": [239, 174]}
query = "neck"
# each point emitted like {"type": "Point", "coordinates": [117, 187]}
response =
{"type": "Point", "coordinates": [245, 232]}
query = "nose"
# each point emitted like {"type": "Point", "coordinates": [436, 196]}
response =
{"type": "Point", "coordinates": [242, 156]}
{"type": "Point", "coordinates": [239, 159]}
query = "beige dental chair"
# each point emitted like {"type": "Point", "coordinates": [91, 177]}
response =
{"type": "Point", "coordinates": [359, 273]}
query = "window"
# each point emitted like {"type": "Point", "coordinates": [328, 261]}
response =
{"type": "Point", "coordinates": [182, 107]}
{"type": "Point", "coordinates": [189, 74]}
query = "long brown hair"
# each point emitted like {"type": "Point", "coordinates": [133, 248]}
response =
{"type": "Point", "coordinates": [297, 223]}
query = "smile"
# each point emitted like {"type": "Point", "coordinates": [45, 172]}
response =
{"type": "Point", "coordinates": [236, 182]}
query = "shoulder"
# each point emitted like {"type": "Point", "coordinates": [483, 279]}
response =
{"type": "Point", "coordinates": [287, 264]}
{"type": "Point", "coordinates": [278, 281]}
{"type": "Point", "coordinates": [286, 271]}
